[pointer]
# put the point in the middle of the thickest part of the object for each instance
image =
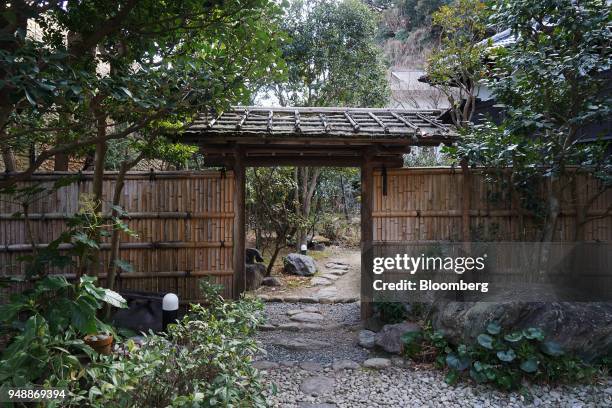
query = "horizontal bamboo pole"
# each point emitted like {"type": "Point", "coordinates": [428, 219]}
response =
{"type": "Point", "coordinates": [140, 275]}
{"type": "Point", "coordinates": [132, 215]}
{"type": "Point", "coordinates": [133, 175]}
{"type": "Point", "coordinates": [125, 245]}
{"type": "Point", "coordinates": [474, 213]}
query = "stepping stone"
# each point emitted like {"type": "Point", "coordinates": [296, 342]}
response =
{"type": "Point", "coordinates": [316, 405]}
{"type": "Point", "coordinates": [318, 385]}
{"type": "Point", "coordinates": [337, 265]}
{"type": "Point", "coordinates": [330, 276]}
{"type": "Point", "coordinates": [327, 293]}
{"type": "Point", "coordinates": [367, 339]}
{"type": "Point", "coordinates": [377, 363]}
{"type": "Point", "coordinates": [267, 327]}
{"type": "Point", "coordinates": [265, 365]}
{"type": "Point", "coordinates": [312, 309]}
{"type": "Point", "coordinates": [320, 281]}
{"type": "Point", "coordinates": [287, 363]}
{"type": "Point", "coordinates": [307, 317]}
{"type": "Point", "coordinates": [311, 366]}
{"type": "Point", "coordinates": [338, 272]}
{"type": "Point", "coordinates": [293, 312]}
{"type": "Point", "coordinates": [295, 326]}
{"type": "Point", "coordinates": [300, 344]}
{"type": "Point", "coordinates": [339, 365]}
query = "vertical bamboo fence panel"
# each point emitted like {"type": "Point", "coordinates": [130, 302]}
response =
{"type": "Point", "coordinates": [425, 204]}
{"type": "Point", "coordinates": [184, 222]}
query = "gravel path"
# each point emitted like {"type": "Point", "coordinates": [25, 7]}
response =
{"type": "Point", "coordinates": [340, 328]}
{"type": "Point", "coordinates": [397, 387]}
{"type": "Point", "coordinates": [312, 360]}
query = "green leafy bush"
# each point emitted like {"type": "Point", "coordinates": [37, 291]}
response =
{"type": "Point", "coordinates": [46, 325]}
{"type": "Point", "coordinates": [500, 359]}
{"type": "Point", "coordinates": [204, 360]}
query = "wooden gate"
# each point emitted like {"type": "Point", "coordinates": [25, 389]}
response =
{"type": "Point", "coordinates": [184, 222]}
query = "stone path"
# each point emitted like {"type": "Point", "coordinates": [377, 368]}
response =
{"type": "Point", "coordinates": [313, 358]}
{"type": "Point", "coordinates": [338, 280]}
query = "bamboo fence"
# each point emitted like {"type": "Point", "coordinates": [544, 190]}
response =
{"type": "Point", "coordinates": [183, 222]}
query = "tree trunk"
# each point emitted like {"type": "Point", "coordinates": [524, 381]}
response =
{"type": "Point", "coordinates": [62, 161]}
{"type": "Point", "coordinates": [98, 183]}
{"type": "Point", "coordinates": [344, 200]}
{"type": "Point", "coordinates": [9, 160]}
{"type": "Point", "coordinates": [277, 249]}
{"type": "Point", "coordinates": [308, 188]}
{"type": "Point", "coordinates": [581, 211]}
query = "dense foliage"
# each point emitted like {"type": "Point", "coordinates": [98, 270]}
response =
{"type": "Point", "coordinates": [77, 74]}
{"type": "Point", "coordinates": [456, 66]}
{"type": "Point", "coordinates": [553, 83]}
{"type": "Point", "coordinates": [331, 55]}
{"type": "Point", "coordinates": [45, 326]}
{"type": "Point", "coordinates": [503, 360]}
{"type": "Point", "coordinates": [203, 360]}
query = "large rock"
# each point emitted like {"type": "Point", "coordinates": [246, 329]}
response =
{"type": "Point", "coordinates": [252, 255]}
{"type": "Point", "coordinates": [581, 328]}
{"type": "Point", "coordinates": [390, 337]}
{"type": "Point", "coordinates": [298, 264]}
{"type": "Point", "coordinates": [367, 339]}
{"type": "Point", "coordinates": [254, 275]}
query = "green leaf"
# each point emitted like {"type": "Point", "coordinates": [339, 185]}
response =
{"type": "Point", "coordinates": [114, 299]}
{"type": "Point", "coordinates": [530, 365]}
{"type": "Point", "coordinates": [127, 92]}
{"type": "Point", "coordinates": [514, 337]}
{"type": "Point", "coordinates": [451, 377]}
{"type": "Point", "coordinates": [30, 98]}
{"type": "Point", "coordinates": [457, 363]}
{"type": "Point", "coordinates": [506, 356]}
{"type": "Point", "coordinates": [485, 341]}
{"type": "Point", "coordinates": [552, 348]}
{"type": "Point", "coordinates": [533, 333]}
{"type": "Point", "coordinates": [493, 328]}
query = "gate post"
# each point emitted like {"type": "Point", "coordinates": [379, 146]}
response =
{"type": "Point", "coordinates": [239, 220]}
{"type": "Point", "coordinates": [367, 199]}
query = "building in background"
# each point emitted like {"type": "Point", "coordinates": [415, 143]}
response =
{"type": "Point", "coordinates": [408, 93]}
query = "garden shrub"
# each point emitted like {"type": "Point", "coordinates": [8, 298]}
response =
{"type": "Point", "coordinates": [45, 326]}
{"type": "Point", "coordinates": [204, 360]}
{"type": "Point", "coordinates": [503, 360]}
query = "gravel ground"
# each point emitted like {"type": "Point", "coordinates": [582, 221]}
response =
{"type": "Point", "coordinates": [342, 337]}
{"type": "Point", "coordinates": [398, 387]}
{"type": "Point", "coordinates": [305, 378]}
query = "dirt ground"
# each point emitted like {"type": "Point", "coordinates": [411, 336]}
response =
{"type": "Point", "coordinates": [347, 285]}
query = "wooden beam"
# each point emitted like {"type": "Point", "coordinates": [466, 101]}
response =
{"type": "Point", "coordinates": [242, 119]}
{"type": "Point", "coordinates": [367, 233]}
{"type": "Point", "coordinates": [352, 121]}
{"type": "Point", "coordinates": [379, 121]}
{"type": "Point", "coordinates": [326, 125]}
{"type": "Point", "coordinates": [269, 126]}
{"type": "Point", "coordinates": [296, 116]}
{"type": "Point", "coordinates": [239, 223]}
